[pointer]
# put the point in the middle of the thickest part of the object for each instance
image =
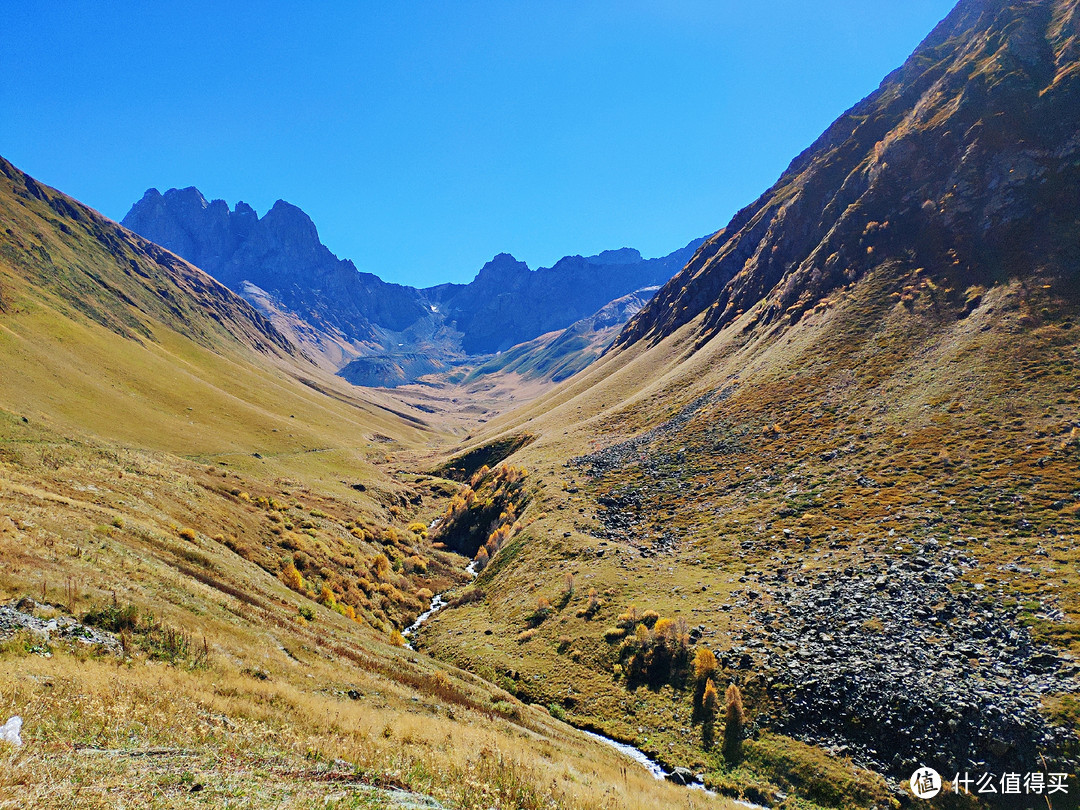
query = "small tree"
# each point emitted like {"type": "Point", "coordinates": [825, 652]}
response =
{"type": "Point", "coordinates": [710, 705]}
{"type": "Point", "coordinates": [292, 579]}
{"type": "Point", "coordinates": [734, 722]}
{"type": "Point", "coordinates": [704, 664]}
{"type": "Point", "coordinates": [704, 671]}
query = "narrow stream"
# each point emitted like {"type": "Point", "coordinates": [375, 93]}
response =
{"type": "Point", "coordinates": [438, 602]}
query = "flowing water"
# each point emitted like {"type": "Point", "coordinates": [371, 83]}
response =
{"type": "Point", "coordinates": [438, 602]}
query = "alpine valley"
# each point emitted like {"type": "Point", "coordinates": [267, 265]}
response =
{"type": "Point", "coordinates": [793, 510]}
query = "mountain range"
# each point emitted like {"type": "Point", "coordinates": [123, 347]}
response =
{"type": "Point", "coordinates": [374, 332]}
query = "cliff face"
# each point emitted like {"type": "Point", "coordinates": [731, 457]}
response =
{"type": "Point", "coordinates": [964, 164]}
{"type": "Point", "coordinates": [282, 255]}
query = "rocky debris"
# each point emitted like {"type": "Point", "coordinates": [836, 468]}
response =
{"type": "Point", "coordinates": [682, 776]}
{"type": "Point", "coordinates": [11, 730]}
{"type": "Point", "coordinates": [624, 453]}
{"type": "Point", "coordinates": [16, 617]}
{"type": "Point", "coordinates": [899, 661]}
{"type": "Point", "coordinates": [628, 514]}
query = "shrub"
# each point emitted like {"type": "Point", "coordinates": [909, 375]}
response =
{"type": "Point", "coordinates": [396, 638]}
{"type": "Point", "coordinates": [542, 612]}
{"type": "Point", "coordinates": [557, 711]}
{"type": "Point", "coordinates": [592, 606]}
{"type": "Point", "coordinates": [613, 634]}
{"type": "Point", "coordinates": [507, 709]}
{"type": "Point", "coordinates": [307, 612]}
{"type": "Point", "coordinates": [527, 635]}
{"type": "Point", "coordinates": [114, 618]}
{"type": "Point", "coordinates": [188, 534]}
{"type": "Point", "coordinates": [292, 579]}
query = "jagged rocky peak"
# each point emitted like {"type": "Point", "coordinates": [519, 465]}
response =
{"type": "Point", "coordinates": [963, 163]}
{"type": "Point", "coordinates": [501, 268]}
{"type": "Point", "coordinates": [291, 222]}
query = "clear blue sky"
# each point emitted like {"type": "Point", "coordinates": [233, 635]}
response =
{"type": "Point", "coordinates": [424, 137]}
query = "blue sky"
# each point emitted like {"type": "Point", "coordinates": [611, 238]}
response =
{"type": "Point", "coordinates": [424, 137]}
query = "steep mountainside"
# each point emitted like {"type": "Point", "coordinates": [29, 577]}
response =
{"type": "Point", "coordinates": [965, 162]}
{"type": "Point", "coordinates": [206, 566]}
{"type": "Point", "coordinates": [839, 451]}
{"type": "Point", "coordinates": [338, 314]}
{"type": "Point", "coordinates": [119, 281]}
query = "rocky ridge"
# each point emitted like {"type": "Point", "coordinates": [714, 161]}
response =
{"type": "Point", "coordinates": [339, 314]}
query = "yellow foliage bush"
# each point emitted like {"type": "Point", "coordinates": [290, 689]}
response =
{"type": "Point", "coordinates": [292, 579]}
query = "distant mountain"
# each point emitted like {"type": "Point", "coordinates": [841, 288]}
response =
{"type": "Point", "coordinates": [281, 255]}
{"type": "Point", "coordinates": [559, 355]}
{"type": "Point", "coordinates": [339, 315]}
{"type": "Point", "coordinates": [507, 303]}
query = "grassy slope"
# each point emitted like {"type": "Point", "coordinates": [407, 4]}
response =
{"type": "Point", "coordinates": [132, 407]}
